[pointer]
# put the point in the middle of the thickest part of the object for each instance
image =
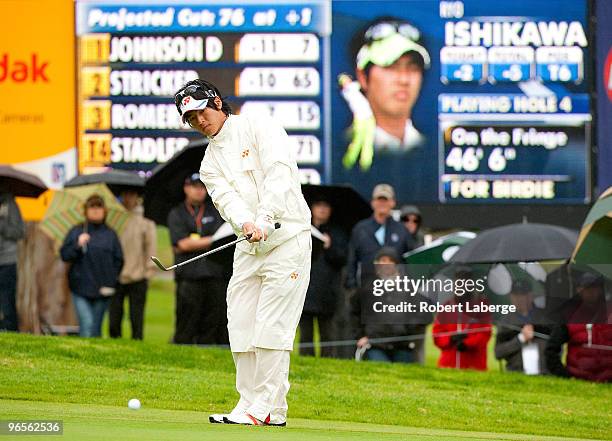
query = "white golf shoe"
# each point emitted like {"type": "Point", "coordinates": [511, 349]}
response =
{"type": "Point", "coordinates": [217, 418]}
{"type": "Point", "coordinates": [249, 420]}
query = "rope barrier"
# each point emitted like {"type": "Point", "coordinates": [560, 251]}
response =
{"type": "Point", "coordinates": [407, 338]}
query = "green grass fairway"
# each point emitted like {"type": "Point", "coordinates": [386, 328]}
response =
{"type": "Point", "coordinates": [87, 382]}
{"type": "Point", "coordinates": [102, 423]}
{"type": "Point", "coordinates": [159, 322]}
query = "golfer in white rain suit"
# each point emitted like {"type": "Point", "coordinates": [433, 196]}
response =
{"type": "Point", "coordinates": [252, 177]}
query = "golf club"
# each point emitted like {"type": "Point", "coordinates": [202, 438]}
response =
{"type": "Point", "coordinates": [157, 262]}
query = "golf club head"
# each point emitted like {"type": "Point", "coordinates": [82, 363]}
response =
{"type": "Point", "coordinates": [158, 263]}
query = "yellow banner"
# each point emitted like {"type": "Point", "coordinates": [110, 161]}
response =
{"type": "Point", "coordinates": [37, 91]}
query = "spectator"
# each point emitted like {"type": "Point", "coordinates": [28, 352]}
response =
{"type": "Point", "coordinates": [587, 332]}
{"type": "Point", "coordinates": [95, 255]}
{"type": "Point", "coordinates": [370, 235]}
{"type": "Point", "coordinates": [11, 230]}
{"type": "Point", "coordinates": [522, 335]}
{"type": "Point", "coordinates": [461, 336]}
{"type": "Point", "coordinates": [201, 311]}
{"type": "Point", "coordinates": [323, 293]}
{"type": "Point", "coordinates": [371, 326]}
{"type": "Point", "coordinates": [411, 217]}
{"type": "Point", "coordinates": [138, 241]}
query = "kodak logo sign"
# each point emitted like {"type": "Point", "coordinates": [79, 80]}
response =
{"type": "Point", "coordinates": [32, 69]}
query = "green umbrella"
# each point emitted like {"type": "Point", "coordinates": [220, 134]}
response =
{"type": "Point", "coordinates": [440, 250]}
{"type": "Point", "coordinates": [66, 211]}
{"type": "Point", "coordinates": [594, 246]}
{"type": "Point", "coordinates": [428, 259]}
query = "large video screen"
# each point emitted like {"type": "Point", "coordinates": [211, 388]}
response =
{"type": "Point", "coordinates": [452, 102]}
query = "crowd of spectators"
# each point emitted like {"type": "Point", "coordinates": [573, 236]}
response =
{"type": "Point", "coordinates": [106, 269]}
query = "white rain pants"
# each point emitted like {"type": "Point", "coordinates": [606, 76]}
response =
{"type": "Point", "coordinates": [265, 297]}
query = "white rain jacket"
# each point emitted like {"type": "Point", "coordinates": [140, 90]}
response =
{"type": "Point", "coordinates": [250, 171]}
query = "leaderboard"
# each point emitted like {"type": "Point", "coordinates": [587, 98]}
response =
{"type": "Point", "coordinates": [518, 127]}
{"type": "Point", "coordinates": [500, 51]}
{"type": "Point", "coordinates": [268, 58]}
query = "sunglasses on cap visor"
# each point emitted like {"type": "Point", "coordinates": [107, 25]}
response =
{"type": "Point", "coordinates": [193, 179]}
{"type": "Point", "coordinates": [383, 30]}
{"type": "Point", "coordinates": [195, 91]}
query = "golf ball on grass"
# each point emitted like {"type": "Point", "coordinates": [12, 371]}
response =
{"type": "Point", "coordinates": [134, 404]}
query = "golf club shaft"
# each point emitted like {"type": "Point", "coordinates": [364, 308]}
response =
{"type": "Point", "coordinates": [208, 253]}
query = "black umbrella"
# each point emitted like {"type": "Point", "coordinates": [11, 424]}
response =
{"type": "Point", "coordinates": [117, 181]}
{"type": "Point", "coordinates": [348, 207]}
{"type": "Point", "coordinates": [518, 243]}
{"type": "Point", "coordinates": [20, 183]}
{"type": "Point", "coordinates": [164, 188]}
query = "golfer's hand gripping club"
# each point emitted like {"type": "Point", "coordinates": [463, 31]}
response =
{"type": "Point", "coordinates": [157, 262]}
{"type": "Point", "coordinates": [259, 230]}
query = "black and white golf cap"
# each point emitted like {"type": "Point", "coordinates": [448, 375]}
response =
{"type": "Point", "coordinates": [193, 97]}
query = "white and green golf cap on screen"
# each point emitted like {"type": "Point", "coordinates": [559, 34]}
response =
{"type": "Point", "coordinates": [388, 50]}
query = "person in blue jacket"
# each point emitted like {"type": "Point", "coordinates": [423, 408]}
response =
{"type": "Point", "coordinates": [371, 234]}
{"type": "Point", "coordinates": [94, 251]}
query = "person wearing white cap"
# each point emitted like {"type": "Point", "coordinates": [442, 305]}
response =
{"type": "Point", "coordinates": [389, 74]}
{"type": "Point", "coordinates": [252, 177]}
